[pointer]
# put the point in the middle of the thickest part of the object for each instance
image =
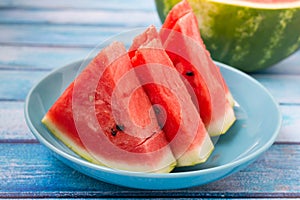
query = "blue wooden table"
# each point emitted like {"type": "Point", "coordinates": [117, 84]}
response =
{"type": "Point", "coordinates": [39, 36]}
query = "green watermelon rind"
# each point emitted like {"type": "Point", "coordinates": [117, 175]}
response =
{"type": "Point", "coordinates": [83, 153]}
{"type": "Point", "coordinates": [251, 38]}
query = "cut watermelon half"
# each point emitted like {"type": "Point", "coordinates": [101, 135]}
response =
{"type": "Point", "coordinates": [176, 113]}
{"type": "Point", "coordinates": [109, 122]}
{"type": "Point", "coordinates": [183, 43]}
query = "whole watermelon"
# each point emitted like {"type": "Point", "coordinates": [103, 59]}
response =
{"type": "Point", "coordinates": [250, 35]}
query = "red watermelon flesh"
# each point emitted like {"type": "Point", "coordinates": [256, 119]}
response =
{"type": "Point", "coordinates": [189, 140]}
{"type": "Point", "coordinates": [110, 123]}
{"type": "Point", "coordinates": [179, 10]}
{"type": "Point", "coordinates": [181, 41]}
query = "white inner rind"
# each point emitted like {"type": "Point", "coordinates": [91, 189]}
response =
{"type": "Point", "coordinates": [221, 125]}
{"type": "Point", "coordinates": [160, 167]}
{"type": "Point", "coordinates": [67, 141]}
{"type": "Point", "coordinates": [197, 155]}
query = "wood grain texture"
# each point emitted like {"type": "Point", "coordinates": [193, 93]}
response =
{"type": "Point", "coordinates": [15, 85]}
{"type": "Point", "coordinates": [78, 4]}
{"type": "Point", "coordinates": [137, 18]}
{"type": "Point", "coordinates": [285, 88]}
{"type": "Point", "coordinates": [29, 170]}
{"type": "Point", "coordinates": [55, 35]}
{"type": "Point", "coordinates": [12, 123]}
{"type": "Point", "coordinates": [39, 58]}
{"type": "Point", "coordinates": [290, 130]}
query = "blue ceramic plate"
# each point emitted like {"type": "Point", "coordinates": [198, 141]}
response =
{"type": "Point", "coordinates": [257, 125]}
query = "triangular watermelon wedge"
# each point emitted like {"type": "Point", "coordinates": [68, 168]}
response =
{"type": "Point", "coordinates": [181, 39]}
{"type": "Point", "coordinates": [106, 117]}
{"type": "Point", "coordinates": [178, 116]}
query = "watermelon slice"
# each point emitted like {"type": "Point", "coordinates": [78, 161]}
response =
{"type": "Point", "coordinates": [109, 122]}
{"type": "Point", "coordinates": [181, 39]}
{"type": "Point", "coordinates": [177, 115]}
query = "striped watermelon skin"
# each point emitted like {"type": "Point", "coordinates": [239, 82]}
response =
{"type": "Point", "coordinates": [248, 36]}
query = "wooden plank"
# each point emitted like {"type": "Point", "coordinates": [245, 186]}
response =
{"type": "Point", "coordinates": [122, 18]}
{"type": "Point", "coordinates": [29, 170]}
{"type": "Point", "coordinates": [271, 173]}
{"type": "Point", "coordinates": [79, 4]}
{"type": "Point", "coordinates": [15, 85]}
{"type": "Point", "coordinates": [29, 35]}
{"type": "Point", "coordinates": [53, 35]}
{"type": "Point", "coordinates": [285, 88]}
{"type": "Point", "coordinates": [39, 58]}
{"type": "Point", "coordinates": [290, 130]}
{"type": "Point", "coordinates": [13, 127]}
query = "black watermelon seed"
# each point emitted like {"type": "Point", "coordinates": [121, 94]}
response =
{"type": "Point", "coordinates": [113, 132]}
{"type": "Point", "coordinates": [120, 127]}
{"type": "Point", "coordinates": [189, 73]}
